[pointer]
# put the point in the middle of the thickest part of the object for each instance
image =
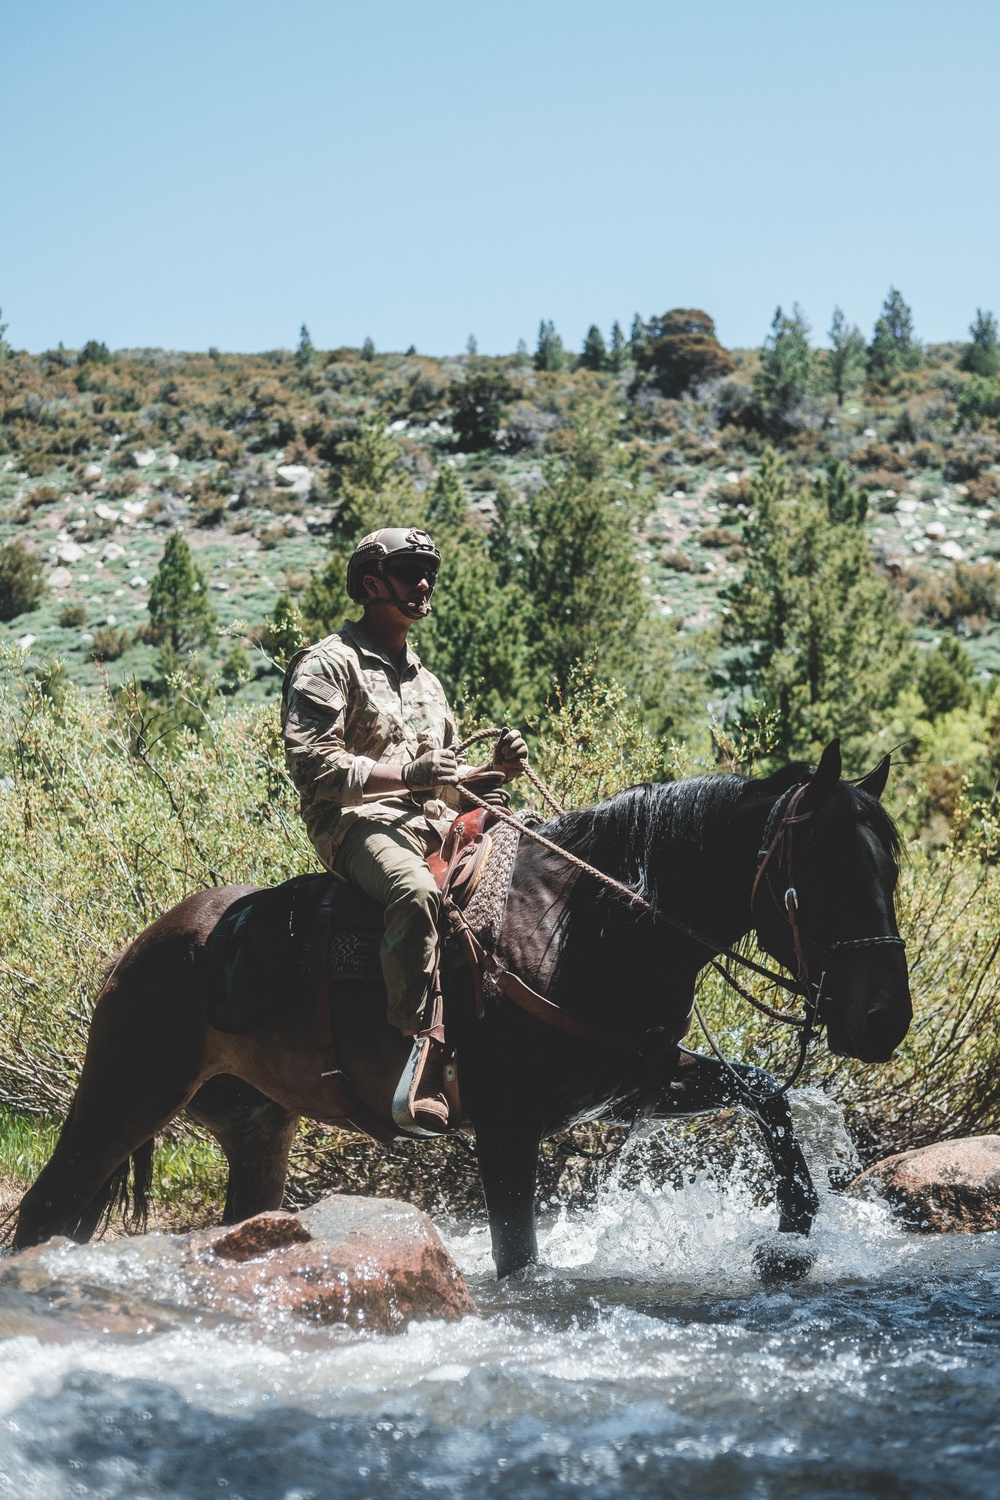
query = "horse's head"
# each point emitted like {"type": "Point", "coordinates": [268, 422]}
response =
{"type": "Point", "coordinates": [830, 881]}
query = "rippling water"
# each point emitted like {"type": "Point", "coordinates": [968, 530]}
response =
{"type": "Point", "coordinates": [645, 1360]}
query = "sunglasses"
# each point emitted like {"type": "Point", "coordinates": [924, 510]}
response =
{"type": "Point", "coordinates": [412, 573]}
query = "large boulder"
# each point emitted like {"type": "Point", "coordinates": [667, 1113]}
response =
{"type": "Point", "coordinates": [367, 1263]}
{"type": "Point", "coordinates": [952, 1186]}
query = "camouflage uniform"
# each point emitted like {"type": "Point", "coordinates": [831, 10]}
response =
{"type": "Point", "coordinates": [344, 709]}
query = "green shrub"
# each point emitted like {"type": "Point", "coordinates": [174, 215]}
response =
{"type": "Point", "coordinates": [979, 401]}
{"type": "Point", "coordinates": [21, 581]}
{"type": "Point", "coordinates": [109, 644]}
{"type": "Point", "coordinates": [72, 616]}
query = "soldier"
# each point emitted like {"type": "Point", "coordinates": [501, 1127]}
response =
{"type": "Point", "coordinates": [369, 741]}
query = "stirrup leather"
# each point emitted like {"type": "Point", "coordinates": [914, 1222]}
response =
{"type": "Point", "coordinates": [408, 1105]}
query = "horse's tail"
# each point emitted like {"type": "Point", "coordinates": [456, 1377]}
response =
{"type": "Point", "coordinates": [126, 1193]}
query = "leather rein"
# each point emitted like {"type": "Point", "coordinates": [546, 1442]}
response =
{"type": "Point", "coordinates": [776, 860]}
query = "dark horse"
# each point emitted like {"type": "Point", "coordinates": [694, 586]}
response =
{"type": "Point", "coordinates": [691, 848]}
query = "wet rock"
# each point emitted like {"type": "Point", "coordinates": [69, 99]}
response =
{"type": "Point", "coordinates": [257, 1236]}
{"type": "Point", "coordinates": [366, 1263]}
{"type": "Point", "coordinates": [952, 1186]}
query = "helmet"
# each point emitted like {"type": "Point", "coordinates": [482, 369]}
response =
{"type": "Point", "coordinates": [392, 543]}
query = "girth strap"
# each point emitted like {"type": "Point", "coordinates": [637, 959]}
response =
{"type": "Point", "coordinates": [481, 959]}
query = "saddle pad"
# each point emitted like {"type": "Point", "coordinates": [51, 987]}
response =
{"type": "Point", "coordinates": [260, 952]}
{"type": "Point", "coordinates": [488, 902]}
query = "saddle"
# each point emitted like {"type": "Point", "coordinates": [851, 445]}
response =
{"type": "Point", "coordinates": [317, 929]}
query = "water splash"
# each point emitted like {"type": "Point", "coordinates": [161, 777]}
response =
{"type": "Point", "coordinates": [646, 1359]}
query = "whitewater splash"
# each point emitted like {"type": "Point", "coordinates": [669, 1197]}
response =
{"type": "Point", "coordinates": [645, 1357]}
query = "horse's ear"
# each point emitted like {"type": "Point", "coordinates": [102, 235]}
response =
{"type": "Point", "coordinates": [828, 771]}
{"type": "Point", "coordinates": [874, 782]}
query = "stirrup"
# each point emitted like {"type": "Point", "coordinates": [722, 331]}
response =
{"type": "Point", "coordinates": [409, 1110]}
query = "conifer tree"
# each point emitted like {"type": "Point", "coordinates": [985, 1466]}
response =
{"type": "Point", "coordinates": [305, 354]}
{"type": "Point", "coordinates": [579, 565]}
{"type": "Point", "coordinates": [893, 348]}
{"type": "Point", "coordinates": [549, 353]}
{"type": "Point", "coordinates": [595, 351]}
{"type": "Point", "coordinates": [368, 349]}
{"type": "Point", "coordinates": [846, 360]}
{"type": "Point", "coordinates": [447, 502]}
{"type": "Point", "coordinates": [619, 354]}
{"type": "Point", "coordinates": [819, 639]}
{"type": "Point", "coordinates": [786, 368]}
{"type": "Point", "coordinates": [374, 491]}
{"type": "Point", "coordinates": [180, 616]}
{"type": "Point", "coordinates": [982, 355]}
{"type": "Point", "coordinates": [637, 336]}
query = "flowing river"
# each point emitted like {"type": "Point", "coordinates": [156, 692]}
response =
{"type": "Point", "coordinates": [645, 1360]}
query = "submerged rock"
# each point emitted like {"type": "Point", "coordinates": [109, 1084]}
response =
{"type": "Point", "coordinates": [366, 1263]}
{"type": "Point", "coordinates": [952, 1186]}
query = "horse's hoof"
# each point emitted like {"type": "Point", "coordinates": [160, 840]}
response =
{"type": "Point", "coordinates": [787, 1257]}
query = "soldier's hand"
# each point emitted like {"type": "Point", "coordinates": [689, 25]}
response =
{"type": "Point", "coordinates": [511, 754]}
{"type": "Point", "coordinates": [431, 768]}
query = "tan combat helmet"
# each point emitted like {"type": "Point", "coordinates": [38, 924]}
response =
{"type": "Point", "coordinates": [391, 544]}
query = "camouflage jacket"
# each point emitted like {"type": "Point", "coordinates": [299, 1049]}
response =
{"type": "Point", "coordinates": [345, 708]}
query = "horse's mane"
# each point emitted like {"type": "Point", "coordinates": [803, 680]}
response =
{"type": "Point", "coordinates": [626, 835]}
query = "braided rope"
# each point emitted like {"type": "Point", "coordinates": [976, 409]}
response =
{"type": "Point", "coordinates": [493, 732]}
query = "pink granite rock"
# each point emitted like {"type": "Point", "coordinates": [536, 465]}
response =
{"type": "Point", "coordinates": [952, 1186]}
{"type": "Point", "coordinates": [367, 1263]}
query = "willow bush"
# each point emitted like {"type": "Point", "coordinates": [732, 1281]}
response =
{"type": "Point", "coordinates": [102, 829]}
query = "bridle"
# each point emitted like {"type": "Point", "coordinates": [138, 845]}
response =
{"type": "Point", "coordinates": [777, 861]}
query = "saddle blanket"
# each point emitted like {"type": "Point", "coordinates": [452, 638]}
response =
{"type": "Point", "coordinates": [260, 952]}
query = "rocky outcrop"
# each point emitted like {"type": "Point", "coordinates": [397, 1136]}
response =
{"type": "Point", "coordinates": [366, 1263]}
{"type": "Point", "coordinates": [952, 1186]}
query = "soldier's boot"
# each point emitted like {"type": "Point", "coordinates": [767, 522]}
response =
{"type": "Point", "coordinates": [420, 1105]}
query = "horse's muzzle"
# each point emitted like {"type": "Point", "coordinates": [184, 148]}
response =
{"type": "Point", "coordinates": [868, 1012]}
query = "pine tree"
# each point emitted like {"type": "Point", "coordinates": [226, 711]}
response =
{"type": "Point", "coordinates": [637, 337]}
{"type": "Point", "coordinates": [846, 360]}
{"type": "Point", "coordinates": [4, 346]}
{"type": "Point", "coordinates": [180, 616]}
{"type": "Point", "coordinates": [579, 567]}
{"type": "Point", "coordinates": [368, 349]}
{"type": "Point", "coordinates": [447, 502]}
{"type": "Point", "coordinates": [471, 347]}
{"type": "Point", "coordinates": [595, 351]}
{"type": "Point", "coordinates": [477, 410]}
{"type": "Point", "coordinates": [982, 356]}
{"type": "Point", "coordinates": [786, 368]}
{"type": "Point", "coordinates": [819, 640]}
{"type": "Point", "coordinates": [680, 350]}
{"type": "Point", "coordinates": [305, 354]}
{"type": "Point", "coordinates": [521, 356]}
{"type": "Point", "coordinates": [374, 491]}
{"type": "Point", "coordinates": [549, 353]}
{"type": "Point", "coordinates": [619, 354]}
{"type": "Point", "coordinates": [893, 348]}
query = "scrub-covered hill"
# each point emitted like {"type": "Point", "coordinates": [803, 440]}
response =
{"type": "Point", "coordinates": [264, 461]}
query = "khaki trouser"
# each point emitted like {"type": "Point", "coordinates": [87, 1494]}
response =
{"type": "Point", "coordinates": [388, 864]}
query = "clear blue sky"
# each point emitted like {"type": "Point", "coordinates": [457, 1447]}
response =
{"type": "Point", "coordinates": [210, 172]}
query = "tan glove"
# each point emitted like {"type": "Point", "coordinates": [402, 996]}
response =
{"type": "Point", "coordinates": [510, 755]}
{"type": "Point", "coordinates": [430, 769]}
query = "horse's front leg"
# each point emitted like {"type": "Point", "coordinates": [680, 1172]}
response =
{"type": "Point", "coordinates": [507, 1149]}
{"type": "Point", "coordinates": [704, 1083]}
